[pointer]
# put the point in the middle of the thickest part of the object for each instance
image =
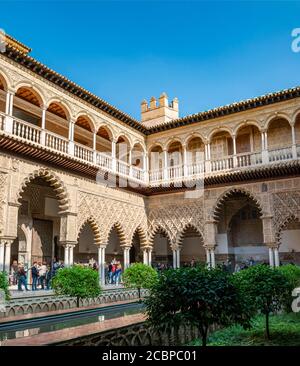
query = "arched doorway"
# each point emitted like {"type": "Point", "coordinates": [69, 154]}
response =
{"type": "Point", "coordinates": [114, 251]}
{"type": "Point", "coordinates": [162, 252]}
{"type": "Point", "coordinates": [136, 255]}
{"type": "Point", "coordinates": [86, 251]}
{"type": "Point", "coordinates": [289, 249]}
{"type": "Point", "coordinates": [39, 225]}
{"type": "Point", "coordinates": [192, 249]}
{"type": "Point", "coordinates": [240, 231]}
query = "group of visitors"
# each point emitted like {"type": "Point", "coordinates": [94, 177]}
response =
{"type": "Point", "coordinates": [113, 273]}
{"type": "Point", "coordinates": [41, 275]}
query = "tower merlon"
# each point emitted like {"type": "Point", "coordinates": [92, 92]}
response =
{"type": "Point", "coordinates": [156, 114]}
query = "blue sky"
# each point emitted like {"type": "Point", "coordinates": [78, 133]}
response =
{"type": "Point", "coordinates": [206, 53]}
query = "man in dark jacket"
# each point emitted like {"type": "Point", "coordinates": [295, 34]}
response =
{"type": "Point", "coordinates": [22, 278]}
{"type": "Point", "coordinates": [34, 276]}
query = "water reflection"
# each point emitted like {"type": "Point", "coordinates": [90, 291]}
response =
{"type": "Point", "coordinates": [80, 319]}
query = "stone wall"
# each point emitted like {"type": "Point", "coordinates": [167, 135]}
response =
{"type": "Point", "coordinates": [139, 334]}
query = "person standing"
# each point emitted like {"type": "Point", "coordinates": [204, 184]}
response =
{"type": "Point", "coordinates": [34, 276]}
{"type": "Point", "coordinates": [22, 278]}
{"type": "Point", "coordinates": [42, 274]}
{"type": "Point", "coordinates": [118, 273]}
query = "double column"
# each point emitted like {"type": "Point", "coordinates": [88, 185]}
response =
{"type": "Point", "coordinates": [5, 255]}
{"type": "Point", "coordinates": [269, 240]}
{"type": "Point", "coordinates": [210, 256]}
{"type": "Point", "coordinates": [176, 256]}
{"type": "Point", "coordinates": [101, 262]}
{"type": "Point", "coordinates": [273, 255]}
{"type": "Point", "coordinates": [69, 253]}
{"type": "Point", "coordinates": [147, 255]}
{"type": "Point", "coordinates": [210, 242]}
{"type": "Point", "coordinates": [126, 250]}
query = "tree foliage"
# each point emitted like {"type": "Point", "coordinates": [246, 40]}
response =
{"type": "Point", "coordinates": [199, 296]}
{"type": "Point", "coordinates": [139, 276]}
{"type": "Point", "coordinates": [4, 284]}
{"type": "Point", "coordinates": [264, 289]}
{"type": "Point", "coordinates": [77, 281]}
{"type": "Point", "coordinates": [292, 275]}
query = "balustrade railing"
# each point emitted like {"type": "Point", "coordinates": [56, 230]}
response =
{"type": "Point", "coordinates": [83, 152]}
{"type": "Point", "coordinates": [123, 167]}
{"type": "Point", "coordinates": [249, 159]}
{"type": "Point", "coordinates": [195, 169]}
{"type": "Point", "coordinates": [280, 154]}
{"type": "Point", "coordinates": [137, 173]}
{"type": "Point", "coordinates": [56, 142]}
{"type": "Point", "coordinates": [156, 175]}
{"type": "Point", "coordinates": [32, 133]}
{"type": "Point", "coordinates": [175, 172]}
{"type": "Point", "coordinates": [104, 161]}
{"type": "Point", "coordinates": [222, 164]}
{"type": "Point", "coordinates": [26, 130]}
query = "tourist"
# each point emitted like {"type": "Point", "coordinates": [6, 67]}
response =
{"type": "Point", "coordinates": [251, 261]}
{"type": "Point", "coordinates": [13, 273]}
{"type": "Point", "coordinates": [22, 278]}
{"type": "Point", "coordinates": [118, 273]}
{"type": "Point", "coordinates": [48, 277]}
{"type": "Point", "coordinates": [237, 267]}
{"type": "Point", "coordinates": [113, 272]}
{"type": "Point", "coordinates": [34, 276]}
{"type": "Point", "coordinates": [42, 275]}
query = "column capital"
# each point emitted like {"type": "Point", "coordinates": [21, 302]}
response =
{"type": "Point", "coordinates": [272, 245]}
{"type": "Point", "coordinates": [7, 240]}
{"type": "Point", "coordinates": [210, 246]}
{"type": "Point", "coordinates": [68, 244]}
{"type": "Point", "coordinates": [101, 246]}
{"type": "Point", "coordinates": [125, 247]}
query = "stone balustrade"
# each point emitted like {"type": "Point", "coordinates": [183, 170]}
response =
{"type": "Point", "coordinates": [170, 174]}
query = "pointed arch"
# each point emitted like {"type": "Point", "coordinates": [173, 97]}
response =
{"type": "Point", "coordinates": [188, 227]}
{"type": "Point", "coordinates": [286, 221]}
{"type": "Point", "coordinates": [120, 231]}
{"type": "Point", "coordinates": [54, 181]}
{"type": "Point", "coordinates": [91, 221]}
{"type": "Point", "coordinates": [215, 214]}
{"type": "Point", "coordinates": [142, 236]}
{"type": "Point", "coordinates": [159, 230]}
